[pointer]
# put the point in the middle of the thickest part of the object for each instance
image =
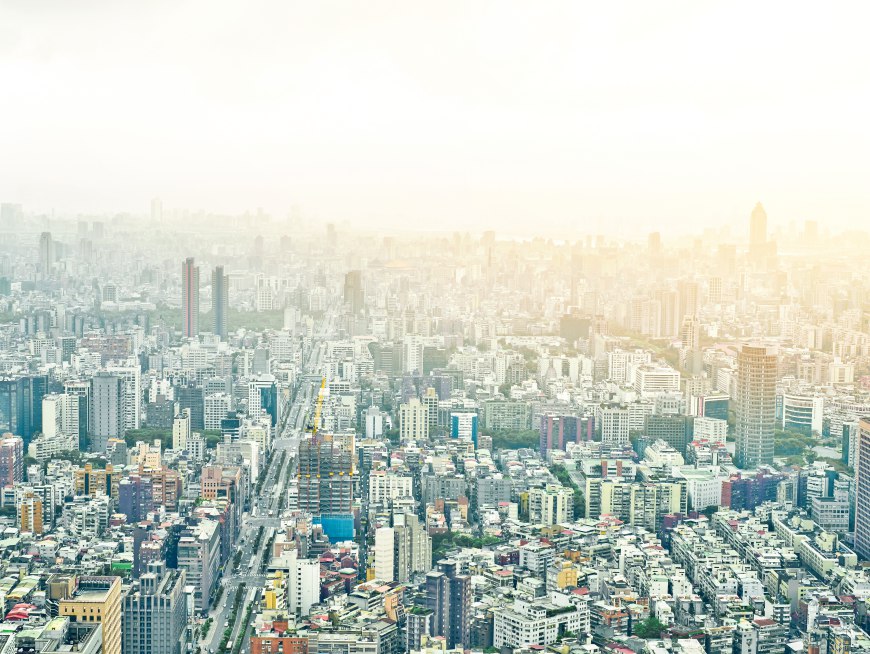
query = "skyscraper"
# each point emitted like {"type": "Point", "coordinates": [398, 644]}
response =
{"type": "Point", "coordinates": [107, 410]}
{"type": "Point", "coordinates": [757, 233]}
{"type": "Point", "coordinates": [189, 298]}
{"type": "Point", "coordinates": [155, 612]}
{"type": "Point", "coordinates": [131, 388]}
{"type": "Point", "coordinates": [862, 490]}
{"type": "Point", "coordinates": [220, 301]}
{"type": "Point", "coordinates": [46, 255]}
{"type": "Point", "coordinates": [21, 405]}
{"type": "Point", "coordinates": [448, 595]}
{"type": "Point", "coordinates": [354, 296]}
{"type": "Point", "coordinates": [192, 397]}
{"type": "Point", "coordinates": [755, 405]}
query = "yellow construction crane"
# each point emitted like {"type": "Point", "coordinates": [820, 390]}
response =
{"type": "Point", "coordinates": [315, 422]}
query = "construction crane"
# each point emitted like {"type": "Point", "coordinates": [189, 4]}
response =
{"type": "Point", "coordinates": [314, 425]}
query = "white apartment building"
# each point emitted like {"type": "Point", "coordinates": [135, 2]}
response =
{"type": "Point", "coordinates": [614, 424]}
{"type": "Point", "coordinates": [540, 621]}
{"type": "Point", "coordinates": [181, 430]}
{"type": "Point", "coordinates": [131, 387]}
{"type": "Point", "coordinates": [304, 586]}
{"type": "Point", "coordinates": [385, 557]}
{"type": "Point", "coordinates": [216, 407]}
{"type": "Point", "coordinates": [711, 429]}
{"type": "Point", "coordinates": [650, 379]}
{"type": "Point", "coordinates": [552, 505]}
{"type": "Point", "coordinates": [413, 421]}
{"type": "Point", "coordinates": [386, 486]}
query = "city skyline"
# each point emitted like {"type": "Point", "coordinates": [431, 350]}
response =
{"type": "Point", "coordinates": [434, 328]}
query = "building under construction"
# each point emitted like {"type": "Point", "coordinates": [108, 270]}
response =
{"type": "Point", "coordinates": [325, 475]}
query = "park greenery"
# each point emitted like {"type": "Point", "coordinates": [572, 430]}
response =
{"type": "Point", "coordinates": [564, 477]}
{"type": "Point", "coordinates": [513, 439]}
{"type": "Point", "coordinates": [650, 628]}
{"type": "Point", "coordinates": [444, 543]}
{"type": "Point", "coordinates": [150, 434]}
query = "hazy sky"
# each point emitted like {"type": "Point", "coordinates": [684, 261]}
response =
{"type": "Point", "coordinates": [596, 115]}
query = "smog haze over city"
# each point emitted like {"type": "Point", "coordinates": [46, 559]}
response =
{"type": "Point", "coordinates": [558, 116]}
{"type": "Point", "coordinates": [434, 327]}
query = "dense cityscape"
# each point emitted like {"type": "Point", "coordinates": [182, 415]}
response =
{"type": "Point", "coordinates": [251, 433]}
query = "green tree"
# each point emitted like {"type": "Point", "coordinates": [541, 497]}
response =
{"type": "Point", "coordinates": [564, 477]}
{"type": "Point", "coordinates": [652, 627]}
{"type": "Point", "coordinates": [513, 439]}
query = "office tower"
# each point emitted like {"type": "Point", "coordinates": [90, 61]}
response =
{"type": "Point", "coordinates": [354, 295]}
{"type": "Point", "coordinates": [430, 401]}
{"type": "Point", "coordinates": [690, 333]}
{"type": "Point", "coordinates": [80, 392]}
{"type": "Point", "coordinates": [755, 409]}
{"type": "Point", "coordinates": [217, 405]}
{"type": "Point", "coordinates": [448, 596]}
{"type": "Point", "coordinates": [862, 490]}
{"type": "Point", "coordinates": [325, 476]}
{"type": "Point", "coordinates": [665, 314]}
{"type": "Point", "coordinates": [689, 293]}
{"type": "Point", "coordinates": [413, 421]}
{"type": "Point", "coordinates": [181, 430]}
{"type": "Point", "coordinates": [189, 298]}
{"type": "Point", "coordinates": [220, 301]}
{"type": "Point", "coordinates": [263, 398]}
{"type": "Point", "coordinates": [191, 397]}
{"type": "Point", "coordinates": [11, 460]}
{"type": "Point", "coordinates": [464, 425]}
{"type": "Point", "coordinates": [155, 612]}
{"type": "Point", "coordinates": [654, 243]}
{"type": "Point", "coordinates": [757, 233]}
{"type": "Point", "coordinates": [412, 353]}
{"type": "Point", "coordinates": [714, 290]}
{"type": "Point", "coordinates": [675, 430]}
{"type": "Point", "coordinates": [46, 255]}
{"type": "Point", "coordinates": [107, 410]}
{"type": "Point", "coordinates": [614, 425]}
{"type": "Point", "coordinates": [97, 599]}
{"type": "Point", "coordinates": [21, 405]}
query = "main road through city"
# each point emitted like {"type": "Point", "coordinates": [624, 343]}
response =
{"type": "Point", "coordinates": [267, 502]}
